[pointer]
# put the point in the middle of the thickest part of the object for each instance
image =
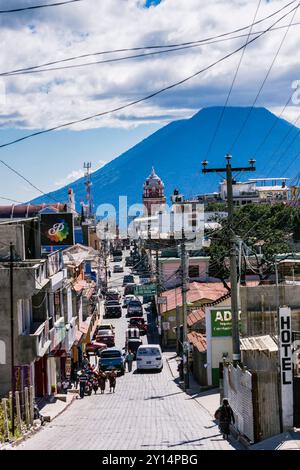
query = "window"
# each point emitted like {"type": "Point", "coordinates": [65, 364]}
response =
{"type": "Point", "coordinates": [193, 271]}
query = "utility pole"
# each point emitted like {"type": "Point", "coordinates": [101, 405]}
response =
{"type": "Point", "coordinates": [184, 290]}
{"type": "Point", "coordinates": [12, 334]}
{"type": "Point", "coordinates": [233, 259]}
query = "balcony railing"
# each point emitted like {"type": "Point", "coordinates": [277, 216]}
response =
{"type": "Point", "coordinates": [35, 344]}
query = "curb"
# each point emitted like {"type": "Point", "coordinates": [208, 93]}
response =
{"type": "Point", "coordinates": [236, 436]}
{"type": "Point", "coordinates": [34, 431]}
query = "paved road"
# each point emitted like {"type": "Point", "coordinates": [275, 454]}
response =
{"type": "Point", "coordinates": [148, 411]}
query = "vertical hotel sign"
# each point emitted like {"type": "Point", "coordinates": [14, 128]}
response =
{"type": "Point", "coordinates": [286, 367]}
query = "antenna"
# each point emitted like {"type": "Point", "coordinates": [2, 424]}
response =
{"type": "Point", "coordinates": [88, 185]}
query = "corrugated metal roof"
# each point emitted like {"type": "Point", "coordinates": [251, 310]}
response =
{"type": "Point", "coordinates": [259, 343]}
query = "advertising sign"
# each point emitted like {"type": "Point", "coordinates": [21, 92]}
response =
{"type": "Point", "coordinates": [286, 367]}
{"type": "Point", "coordinates": [57, 229]}
{"type": "Point", "coordinates": [68, 367]}
{"type": "Point", "coordinates": [221, 322]}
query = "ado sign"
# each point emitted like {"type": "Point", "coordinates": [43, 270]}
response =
{"type": "Point", "coordinates": [221, 322]}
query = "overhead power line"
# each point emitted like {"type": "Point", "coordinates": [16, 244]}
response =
{"type": "Point", "coordinates": [208, 40]}
{"type": "Point", "coordinates": [294, 11]}
{"type": "Point", "coordinates": [36, 69]}
{"type": "Point", "coordinates": [35, 7]}
{"type": "Point", "coordinates": [151, 95]}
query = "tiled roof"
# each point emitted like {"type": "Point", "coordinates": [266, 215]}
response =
{"type": "Point", "coordinates": [259, 343]}
{"type": "Point", "coordinates": [195, 316]}
{"type": "Point", "coordinates": [198, 341]}
{"type": "Point", "coordinates": [198, 291]}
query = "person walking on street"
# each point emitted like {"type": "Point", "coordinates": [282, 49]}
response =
{"type": "Point", "coordinates": [95, 383]}
{"type": "Point", "coordinates": [82, 383]}
{"type": "Point", "coordinates": [129, 360]}
{"type": "Point", "coordinates": [102, 381]}
{"type": "Point", "coordinates": [112, 380]}
{"type": "Point", "coordinates": [109, 273]}
{"type": "Point", "coordinates": [225, 416]}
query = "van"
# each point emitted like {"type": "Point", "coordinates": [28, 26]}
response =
{"type": "Point", "coordinates": [149, 357]}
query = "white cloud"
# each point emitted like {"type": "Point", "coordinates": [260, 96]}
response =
{"type": "Point", "coordinates": [45, 100]}
{"type": "Point", "coordinates": [70, 178]}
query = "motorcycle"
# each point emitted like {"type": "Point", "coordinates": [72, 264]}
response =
{"type": "Point", "coordinates": [88, 387]}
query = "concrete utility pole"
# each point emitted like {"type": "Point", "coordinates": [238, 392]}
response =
{"type": "Point", "coordinates": [233, 260]}
{"type": "Point", "coordinates": [12, 333]}
{"type": "Point", "coordinates": [184, 290]}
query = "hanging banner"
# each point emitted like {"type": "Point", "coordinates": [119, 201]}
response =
{"type": "Point", "coordinates": [286, 367]}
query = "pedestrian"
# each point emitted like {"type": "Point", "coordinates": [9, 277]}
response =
{"type": "Point", "coordinates": [129, 360]}
{"type": "Point", "coordinates": [112, 380]}
{"type": "Point", "coordinates": [85, 361]}
{"type": "Point", "coordinates": [95, 383]}
{"type": "Point", "coordinates": [102, 381]}
{"type": "Point", "coordinates": [180, 369]}
{"type": "Point", "coordinates": [82, 383]}
{"type": "Point", "coordinates": [225, 416]}
{"type": "Point", "coordinates": [109, 273]}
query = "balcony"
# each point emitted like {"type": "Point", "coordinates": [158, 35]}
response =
{"type": "Point", "coordinates": [35, 344]}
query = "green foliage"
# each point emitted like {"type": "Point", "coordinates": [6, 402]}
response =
{"type": "Point", "coordinates": [273, 227]}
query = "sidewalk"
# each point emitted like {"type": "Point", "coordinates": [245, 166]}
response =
{"type": "Point", "coordinates": [284, 441]}
{"type": "Point", "coordinates": [50, 409]}
{"type": "Point", "coordinates": [209, 399]}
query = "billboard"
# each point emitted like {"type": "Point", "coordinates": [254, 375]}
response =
{"type": "Point", "coordinates": [57, 230]}
{"type": "Point", "coordinates": [221, 322]}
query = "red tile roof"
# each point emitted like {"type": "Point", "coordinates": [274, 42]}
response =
{"type": "Point", "coordinates": [198, 341]}
{"type": "Point", "coordinates": [195, 316]}
{"type": "Point", "coordinates": [198, 291]}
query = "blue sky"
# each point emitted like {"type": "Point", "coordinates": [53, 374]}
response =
{"type": "Point", "coordinates": [40, 101]}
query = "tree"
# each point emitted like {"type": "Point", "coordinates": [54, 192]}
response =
{"type": "Point", "coordinates": [266, 229]}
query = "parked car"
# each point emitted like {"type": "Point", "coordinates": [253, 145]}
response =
{"type": "Point", "coordinates": [113, 311]}
{"type": "Point", "coordinates": [129, 289]}
{"type": "Point", "coordinates": [117, 259]}
{"type": "Point", "coordinates": [133, 345]}
{"type": "Point", "coordinates": [107, 337]}
{"type": "Point", "coordinates": [112, 294]}
{"type": "Point", "coordinates": [111, 302]}
{"type": "Point", "coordinates": [112, 358]}
{"type": "Point", "coordinates": [140, 323]}
{"type": "Point", "coordinates": [149, 357]}
{"type": "Point", "coordinates": [104, 326]}
{"type": "Point", "coordinates": [129, 261]}
{"type": "Point", "coordinates": [94, 347]}
{"type": "Point", "coordinates": [127, 299]}
{"type": "Point", "coordinates": [128, 279]}
{"type": "Point", "coordinates": [134, 309]}
{"type": "Point", "coordinates": [118, 268]}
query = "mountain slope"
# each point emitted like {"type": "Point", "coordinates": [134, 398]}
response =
{"type": "Point", "coordinates": [176, 152]}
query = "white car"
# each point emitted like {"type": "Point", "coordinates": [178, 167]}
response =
{"type": "Point", "coordinates": [149, 357]}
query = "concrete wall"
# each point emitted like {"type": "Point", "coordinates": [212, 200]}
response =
{"type": "Point", "coordinates": [24, 285]}
{"type": "Point", "coordinates": [12, 234]}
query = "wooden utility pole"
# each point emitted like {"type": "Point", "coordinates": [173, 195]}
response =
{"type": "Point", "coordinates": [233, 259]}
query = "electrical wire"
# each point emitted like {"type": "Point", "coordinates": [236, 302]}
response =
{"type": "Point", "coordinates": [133, 49]}
{"type": "Point", "coordinates": [145, 98]}
{"type": "Point", "coordinates": [294, 11]}
{"type": "Point", "coordinates": [35, 7]}
{"type": "Point", "coordinates": [212, 141]}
